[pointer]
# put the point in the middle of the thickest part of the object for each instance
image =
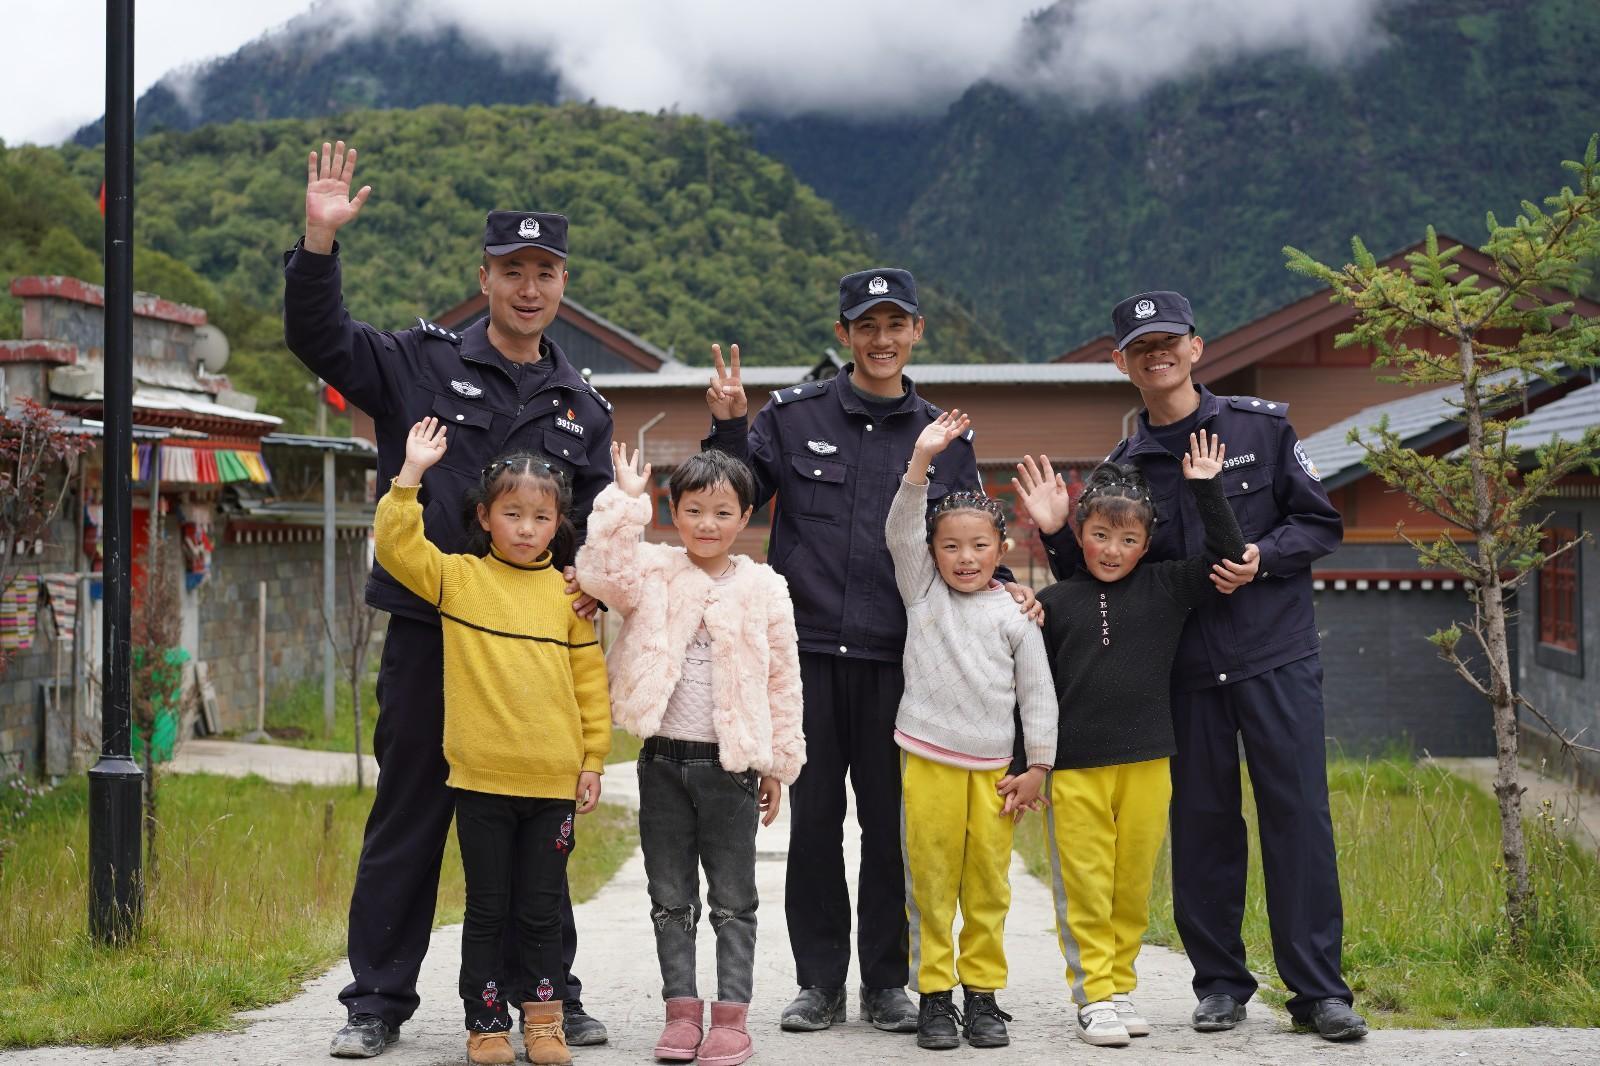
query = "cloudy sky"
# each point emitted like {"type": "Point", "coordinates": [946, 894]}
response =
{"type": "Point", "coordinates": [715, 57]}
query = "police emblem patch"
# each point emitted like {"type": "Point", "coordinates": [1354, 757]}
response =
{"type": "Point", "coordinates": [1305, 462]}
{"type": "Point", "coordinates": [822, 447]}
{"type": "Point", "coordinates": [1144, 309]}
{"type": "Point", "coordinates": [467, 389]}
{"type": "Point", "coordinates": [529, 229]}
{"type": "Point", "coordinates": [877, 287]}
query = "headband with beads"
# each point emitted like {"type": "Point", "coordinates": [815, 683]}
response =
{"type": "Point", "coordinates": [967, 501]}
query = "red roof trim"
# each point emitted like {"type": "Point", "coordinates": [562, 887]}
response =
{"type": "Point", "coordinates": [58, 353]}
{"type": "Point", "coordinates": [145, 305]}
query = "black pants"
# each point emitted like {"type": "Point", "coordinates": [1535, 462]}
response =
{"type": "Point", "coordinates": [1279, 716]}
{"type": "Point", "coordinates": [514, 850]}
{"type": "Point", "coordinates": [397, 881]}
{"type": "Point", "coordinates": [850, 707]}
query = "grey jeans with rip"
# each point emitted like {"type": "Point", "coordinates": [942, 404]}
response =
{"type": "Point", "coordinates": [693, 813]}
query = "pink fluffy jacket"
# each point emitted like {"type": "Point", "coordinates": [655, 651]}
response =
{"type": "Point", "coordinates": [662, 597]}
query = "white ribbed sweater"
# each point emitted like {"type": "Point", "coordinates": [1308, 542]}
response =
{"type": "Point", "coordinates": [970, 657]}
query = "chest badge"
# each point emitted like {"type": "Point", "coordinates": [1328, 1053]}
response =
{"type": "Point", "coordinates": [467, 389]}
{"type": "Point", "coordinates": [570, 424]}
{"type": "Point", "coordinates": [822, 447]}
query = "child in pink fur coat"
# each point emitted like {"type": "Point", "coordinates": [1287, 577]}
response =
{"type": "Point", "coordinates": [707, 671]}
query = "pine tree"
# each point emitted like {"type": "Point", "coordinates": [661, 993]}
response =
{"type": "Point", "coordinates": [1438, 324]}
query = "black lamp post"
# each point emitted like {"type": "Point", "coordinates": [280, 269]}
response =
{"type": "Point", "coordinates": [116, 890]}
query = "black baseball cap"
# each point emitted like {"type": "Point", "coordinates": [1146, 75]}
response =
{"type": "Point", "coordinates": [1150, 312]}
{"type": "Point", "coordinates": [868, 288]}
{"type": "Point", "coordinates": [506, 231]}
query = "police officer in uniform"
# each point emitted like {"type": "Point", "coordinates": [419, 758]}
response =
{"type": "Point", "coordinates": [834, 452]}
{"type": "Point", "coordinates": [1247, 668]}
{"type": "Point", "coordinates": [498, 385]}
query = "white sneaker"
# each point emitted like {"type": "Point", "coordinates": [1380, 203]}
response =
{"type": "Point", "coordinates": [1129, 1016]}
{"type": "Point", "coordinates": [1098, 1024]}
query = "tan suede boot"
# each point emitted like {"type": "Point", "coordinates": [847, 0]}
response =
{"type": "Point", "coordinates": [543, 1036]}
{"type": "Point", "coordinates": [490, 1049]}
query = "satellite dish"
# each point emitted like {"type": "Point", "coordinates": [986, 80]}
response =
{"type": "Point", "coordinates": [210, 348]}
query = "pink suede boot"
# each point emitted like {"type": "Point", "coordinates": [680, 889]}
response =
{"type": "Point", "coordinates": [726, 1043]}
{"type": "Point", "coordinates": [681, 1038]}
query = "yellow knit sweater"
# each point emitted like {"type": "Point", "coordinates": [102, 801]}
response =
{"type": "Point", "coordinates": [526, 707]}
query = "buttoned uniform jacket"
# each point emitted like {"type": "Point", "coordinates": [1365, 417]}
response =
{"type": "Point", "coordinates": [835, 468]}
{"type": "Point", "coordinates": [1282, 508]}
{"type": "Point", "coordinates": [401, 377]}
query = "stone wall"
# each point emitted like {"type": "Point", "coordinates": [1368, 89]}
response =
{"type": "Point", "coordinates": [40, 667]}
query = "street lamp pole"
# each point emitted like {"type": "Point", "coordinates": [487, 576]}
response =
{"type": "Point", "coordinates": [116, 890]}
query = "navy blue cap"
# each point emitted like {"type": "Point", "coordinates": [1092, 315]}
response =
{"type": "Point", "coordinates": [1150, 312]}
{"type": "Point", "coordinates": [867, 288]}
{"type": "Point", "coordinates": [506, 231]}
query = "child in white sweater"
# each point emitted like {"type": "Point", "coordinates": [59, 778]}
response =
{"type": "Point", "coordinates": [970, 659]}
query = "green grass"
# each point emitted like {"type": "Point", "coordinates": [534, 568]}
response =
{"type": "Point", "coordinates": [624, 746]}
{"type": "Point", "coordinates": [249, 899]}
{"type": "Point", "coordinates": [294, 714]}
{"type": "Point", "coordinates": [1418, 868]}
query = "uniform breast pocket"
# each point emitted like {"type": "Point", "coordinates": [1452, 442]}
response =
{"type": "Point", "coordinates": [565, 449]}
{"type": "Point", "coordinates": [821, 490]}
{"type": "Point", "coordinates": [1249, 493]}
{"type": "Point", "coordinates": [470, 435]}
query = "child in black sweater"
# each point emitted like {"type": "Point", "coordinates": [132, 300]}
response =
{"type": "Point", "coordinates": [1112, 631]}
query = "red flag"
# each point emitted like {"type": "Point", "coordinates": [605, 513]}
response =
{"type": "Point", "coordinates": [332, 398]}
{"type": "Point", "coordinates": [102, 199]}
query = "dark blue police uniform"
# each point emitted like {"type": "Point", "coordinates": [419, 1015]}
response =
{"type": "Point", "coordinates": [491, 405]}
{"type": "Point", "coordinates": [1248, 667]}
{"type": "Point", "coordinates": [834, 464]}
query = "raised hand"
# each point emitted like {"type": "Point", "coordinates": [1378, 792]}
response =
{"type": "Point", "coordinates": [632, 477]}
{"type": "Point", "coordinates": [1204, 460]}
{"type": "Point", "coordinates": [425, 445]}
{"type": "Point", "coordinates": [937, 435]}
{"type": "Point", "coordinates": [726, 396]}
{"type": "Point", "coordinates": [1042, 493]}
{"type": "Point", "coordinates": [328, 201]}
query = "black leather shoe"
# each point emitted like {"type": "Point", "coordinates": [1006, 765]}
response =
{"type": "Point", "coordinates": [582, 1028]}
{"type": "Point", "coordinates": [889, 1009]}
{"type": "Point", "coordinates": [985, 1021]}
{"type": "Point", "coordinates": [1217, 1012]}
{"type": "Point", "coordinates": [1334, 1020]}
{"type": "Point", "coordinates": [813, 1010]}
{"type": "Point", "coordinates": [938, 1023]}
{"type": "Point", "coordinates": [364, 1036]}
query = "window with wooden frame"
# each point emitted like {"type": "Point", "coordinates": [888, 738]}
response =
{"type": "Point", "coordinates": [1560, 608]}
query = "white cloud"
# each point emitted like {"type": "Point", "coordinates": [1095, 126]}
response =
{"type": "Point", "coordinates": [713, 57]}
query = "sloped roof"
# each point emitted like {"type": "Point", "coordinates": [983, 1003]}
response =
{"type": "Point", "coordinates": [1566, 418]}
{"type": "Point", "coordinates": [1419, 420]}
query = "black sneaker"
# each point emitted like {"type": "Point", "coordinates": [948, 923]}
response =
{"type": "Point", "coordinates": [888, 1009]}
{"type": "Point", "coordinates": [582, 1028]}
{"type": "Point", "coordinates": [985, 1021]}
{"type": "Point", "coordinates": [813, 1010]}
{"type": "Point", "coordinates": [1334, 1020]}
{"type": "Point", "coordinates": [364, 1036]}
{"type": "Point", "coordinates": [938, 1023]}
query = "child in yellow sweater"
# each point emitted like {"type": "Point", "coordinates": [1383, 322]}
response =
{"type": "Point", "coordinates": [527, 725]}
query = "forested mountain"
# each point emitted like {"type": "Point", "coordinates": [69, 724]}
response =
{"type": "Point", "coordinates": [1035, 213]}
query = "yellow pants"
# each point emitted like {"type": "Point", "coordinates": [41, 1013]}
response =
{"type": "Point", "coordinates": [1104, 829]}
{"type": "Point", "coordinates": [957, 848]}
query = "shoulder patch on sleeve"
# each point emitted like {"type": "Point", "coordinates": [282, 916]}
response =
{"type": "Point", "coordinates": [804, 391]}
{"type": "Point", "coordinates": [1259, 406]}
{"type": "Point", "coordinates": [439, 331]}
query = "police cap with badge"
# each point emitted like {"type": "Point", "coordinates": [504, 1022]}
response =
{"type": "Point", "coordinates": [505, 232]}
{"type": "Point", "coordinates": [1150, 312]}
{"type": "Point", "coordinates": [866, 289]}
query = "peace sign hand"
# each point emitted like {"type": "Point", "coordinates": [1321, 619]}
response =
{"type": "Point", "coordinates": [726, 396]}
{"type": "Point", "coordinates": [328, 202]}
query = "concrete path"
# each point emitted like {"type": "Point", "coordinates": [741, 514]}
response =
{"type": "Point", "coordinates": [617, 962]}
{"type": "Point", "coordinates": [275, 762]}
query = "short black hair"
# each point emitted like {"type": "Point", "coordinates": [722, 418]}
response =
{"type": "Point", "coordinates": [1119, 493]}
{"type": "Point", "coordinates": [704, 470]}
